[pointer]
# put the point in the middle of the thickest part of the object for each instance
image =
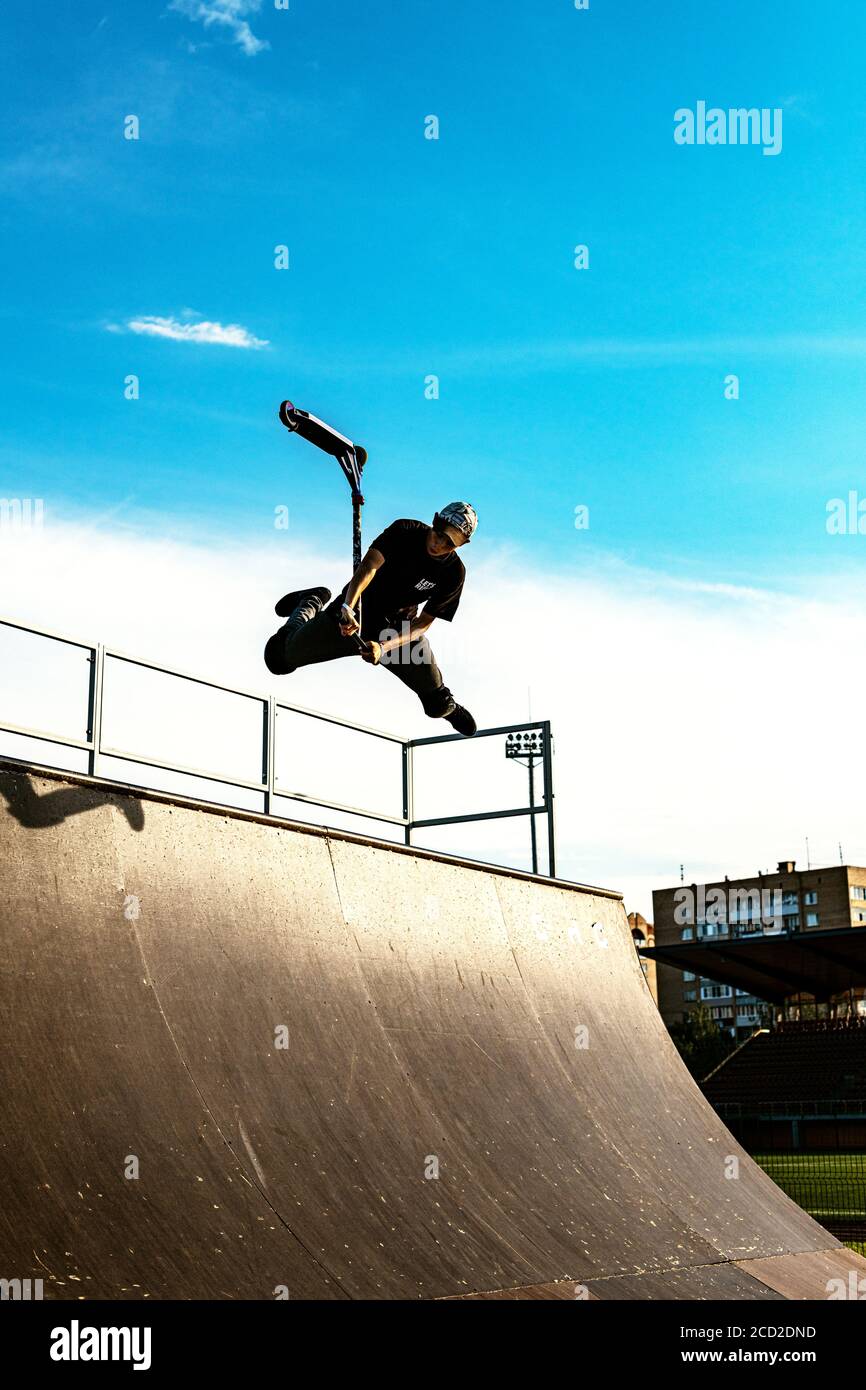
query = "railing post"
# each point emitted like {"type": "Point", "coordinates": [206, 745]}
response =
{"type": "Point", "coordinates": [269, 734]}
{"type": "Point", "coordinates": [548, 799]}
{"type": "Point", "coordinates": [533, 837]}
{"type": "Point", "coordinates": [408, 792]}
{"type": "Point", "coordinates": [94, 707]}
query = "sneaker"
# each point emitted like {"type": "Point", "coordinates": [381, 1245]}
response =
{"type": "Point", "coordinates": [303, 605]}
{"type": "Point", "coordinates": [287, 605]}
{"type": "Point", "coordinates": [461, 720]}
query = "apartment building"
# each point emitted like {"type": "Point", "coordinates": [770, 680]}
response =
{"type": "Point", "coordinates": [789, 901]}
{"type": "Point", "coordinates": [643, 935]}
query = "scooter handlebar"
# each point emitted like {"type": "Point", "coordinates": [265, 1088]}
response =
{"type": "Point", "coordinates": [316, 431]}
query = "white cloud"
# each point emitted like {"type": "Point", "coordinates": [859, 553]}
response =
{"type": "Point", "coordinates": [223, 334]}
{"type": "Point", "coordinates": [555, 354]}
{"type": "Point", "coordinates": [712, 729]}
{"type": "Point", "coordinates": [225, 14]}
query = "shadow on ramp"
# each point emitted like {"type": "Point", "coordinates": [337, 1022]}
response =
{"type": "Point", "coordinates": [37, 812]}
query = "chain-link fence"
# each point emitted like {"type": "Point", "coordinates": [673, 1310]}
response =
{"type": "Point", "coordinates": [829, 1186]}
{"type": "Point", "coordinates": [816, 1152]}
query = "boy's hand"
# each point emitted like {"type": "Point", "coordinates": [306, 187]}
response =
{"type": "Point", "coordinates": [348, 621]}
{"type": "Point", "coordinates": [373, 653]}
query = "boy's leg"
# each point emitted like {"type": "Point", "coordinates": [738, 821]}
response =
{"type": "Point", "coordinates": [307, 643]}
{"type": "Point", "coordinates": [415, 665]}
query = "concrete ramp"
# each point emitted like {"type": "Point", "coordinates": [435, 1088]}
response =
{"type": "Point", "coordinates": [237, 1054]}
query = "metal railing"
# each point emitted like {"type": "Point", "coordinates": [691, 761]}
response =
{"type": "Point", "coordinates": [853, 1109]}
{"type": "Point", "coordinates": [267, 785]}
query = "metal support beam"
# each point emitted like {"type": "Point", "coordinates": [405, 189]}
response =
{"type": "Point", "coordinates": [269, 721]}
{"type": "Point", "coordinates": [548, 799]}
{"type": "Point", "coordinates": [408, 792]}
{"type": "Point", "coordinates": [94, 707]}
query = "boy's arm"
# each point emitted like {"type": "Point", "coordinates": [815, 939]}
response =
{"type": "Point", "coordinates": [361, 579]}
{"type": "Point", "coordinates": [417, 627]}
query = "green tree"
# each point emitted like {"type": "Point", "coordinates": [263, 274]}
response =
{"type": "Point", "coordinates": [700, 1042]}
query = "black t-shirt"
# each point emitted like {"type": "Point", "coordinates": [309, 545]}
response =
{"type": "Point", "coordinates": [410, 576]}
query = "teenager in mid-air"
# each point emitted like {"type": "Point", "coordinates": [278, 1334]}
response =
{"type": "Point", "coordinates": [409, 564]}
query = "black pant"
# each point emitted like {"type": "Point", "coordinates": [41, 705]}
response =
{"type": "Point", "coordinates": [321, 640]}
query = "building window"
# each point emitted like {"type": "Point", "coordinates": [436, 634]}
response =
{"type": "Point", "coordinates": [812, 919]}
{"type": "Point", "coordinates": [858, 892]}
{"type": "Point", "coordinates": [716, 991]}
{"type": "Point", "coordinates": [689, 996]}
{"type": "Point", "coordinates": [686, 934]}
{"type": "Point", "coordinates": [810, 898]}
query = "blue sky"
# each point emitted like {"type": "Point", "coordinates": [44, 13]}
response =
{"type": "Point", "coordinates": [454, 257]}
{"type": "Point", "coordinates": [681, 644]}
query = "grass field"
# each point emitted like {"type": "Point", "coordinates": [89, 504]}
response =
{"type": "Point", "coordinates": [829, 1186]}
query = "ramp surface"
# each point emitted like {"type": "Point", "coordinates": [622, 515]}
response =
{"type": "Point", "coordinates": [241, 1057]}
